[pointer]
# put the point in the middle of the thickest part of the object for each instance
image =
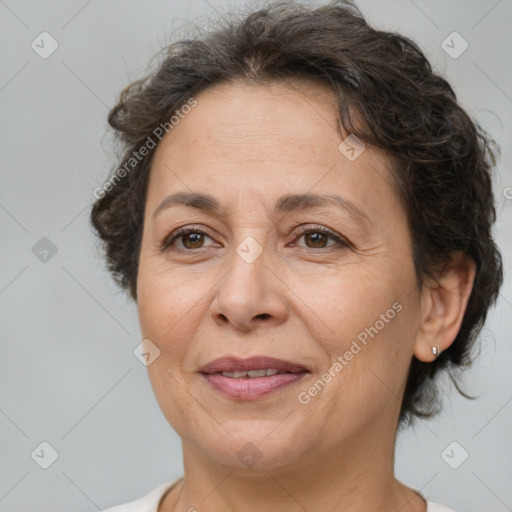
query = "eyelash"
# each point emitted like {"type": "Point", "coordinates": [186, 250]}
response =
{"type": "Point", "coordinates": [180, 232]}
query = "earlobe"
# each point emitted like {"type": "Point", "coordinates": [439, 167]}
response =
{"type": "Point", "coordinates": [444, 302]}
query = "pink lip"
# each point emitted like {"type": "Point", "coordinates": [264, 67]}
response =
{"type": "Point", "coordinates": [254, 387]}
{"type": "Point", "coordinates": [232, 364]}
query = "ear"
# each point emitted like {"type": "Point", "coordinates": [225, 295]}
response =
{"type": "Point", "coordinates": [443, 303]}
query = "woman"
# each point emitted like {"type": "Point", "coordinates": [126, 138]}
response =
{"type": "Point", "coordinates": [303, 216]}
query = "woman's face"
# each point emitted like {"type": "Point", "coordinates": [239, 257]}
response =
{"type": "Point", "coordinates": [339, 311]}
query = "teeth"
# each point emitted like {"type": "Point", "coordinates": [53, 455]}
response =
{"type": "Point", "coordinates": [257, 373]}
{"type": "Point", "coordinates": [252, 373]}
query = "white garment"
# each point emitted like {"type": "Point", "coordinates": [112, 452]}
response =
{"type": "Point", "coordinates": [150, 502]}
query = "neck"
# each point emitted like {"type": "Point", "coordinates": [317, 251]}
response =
{"type": "Point", "coordinates": [348, 478]}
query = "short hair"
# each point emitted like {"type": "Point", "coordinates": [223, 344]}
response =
{"type": "Point", "coordinates": [387, 95]}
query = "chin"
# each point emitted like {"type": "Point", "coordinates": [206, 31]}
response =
{"type": "Point", "coordinates": [251, 448]}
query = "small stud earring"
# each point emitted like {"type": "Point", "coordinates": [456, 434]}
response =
{"type": "Point", "coordinates": [435, 351]}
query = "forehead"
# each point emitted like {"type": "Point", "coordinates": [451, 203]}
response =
{"type": "Point", "coordinates": [252, 121]}
{"type": "Point", "coordinates": [278, 137]}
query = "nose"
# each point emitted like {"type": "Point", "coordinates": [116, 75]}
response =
{"type": "Point", "coordinates": [250, 295]}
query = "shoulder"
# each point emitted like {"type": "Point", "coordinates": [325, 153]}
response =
{"type": "Point", "coordinates": [148, 503]}
{"type": "Point", "coordinates": [437, 507]}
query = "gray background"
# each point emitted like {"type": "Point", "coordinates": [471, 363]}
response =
{"type": "Point", "coordinates": [68, 375]}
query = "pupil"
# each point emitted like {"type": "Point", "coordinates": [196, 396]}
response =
{"type": "Point", "coordinates": [317, 237]}
{"type": "Point", "coordinates": [194, 240]}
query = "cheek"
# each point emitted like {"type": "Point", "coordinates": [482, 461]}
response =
{"type": "Point", "coordinates": [346, 303]}
{"type": "Point", "coordinates": [164, 301]}
{"type": "Point", "coordinates": [165, 314]}
{"type": "Point", "coordinates": [376, 352]}
{"type": "Point", "coordinates": [371, 316]}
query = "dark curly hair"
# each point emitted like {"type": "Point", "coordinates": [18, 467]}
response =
{"type": "Point", "coordinates": [388, 96]}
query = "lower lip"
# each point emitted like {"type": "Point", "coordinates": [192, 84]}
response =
{"type": "Point", "coordinates": [251, 388]}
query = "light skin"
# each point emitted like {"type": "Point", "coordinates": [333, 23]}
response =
{"type": "Point", "coordinates": [304, 299]}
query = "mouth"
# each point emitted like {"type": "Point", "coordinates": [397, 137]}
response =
{"type": "Point", "coordinates": [253, 378]}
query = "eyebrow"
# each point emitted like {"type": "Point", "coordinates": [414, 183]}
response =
{"type": "Point", "coordinates": [285, 204]}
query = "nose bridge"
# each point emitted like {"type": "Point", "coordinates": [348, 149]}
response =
{"type": "Point", "coordinates": [246, 294]}
{"type": "Point", "coordinates": [252, 231]}
{"type": "Point", "coordinates": [248, 261]}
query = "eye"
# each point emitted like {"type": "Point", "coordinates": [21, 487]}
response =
{"type": "Point", "coordinates": [191, 238]}
{"type": "Point", "coordinates": [316, 237]}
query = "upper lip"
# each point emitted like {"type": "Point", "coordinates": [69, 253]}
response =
{"type": "Point", "coordinates": [234, 364]}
